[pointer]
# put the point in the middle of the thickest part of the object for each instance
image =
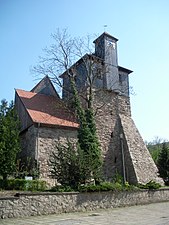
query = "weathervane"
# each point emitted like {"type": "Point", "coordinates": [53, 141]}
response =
{"type": "Point", "coordinates": [105, 27]}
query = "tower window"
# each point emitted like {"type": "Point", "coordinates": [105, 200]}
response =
{"type": "Point", "coordinates": [121, 78]}
{"type": "Point", "coordinates": [115, 159]}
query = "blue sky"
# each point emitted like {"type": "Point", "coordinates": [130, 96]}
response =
{"type": "Point", "coordinates": [141, 26]}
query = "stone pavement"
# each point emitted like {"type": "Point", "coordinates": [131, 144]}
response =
{"type": "Point", "coordinates": [152, 214]}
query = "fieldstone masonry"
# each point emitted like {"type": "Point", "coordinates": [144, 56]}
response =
{"type": "Point", "coordinates": [39, 142]}
{"type": "Point", "coordinates": [142, 164]}
{"type": "Point", "coordinates": [113, 120]}
{"type": "Point", "coordinates": [23, 205]}
{"type": "Point", "coordinates": [48, 137]}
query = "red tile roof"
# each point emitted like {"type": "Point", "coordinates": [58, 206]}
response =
{"type": "Point", "coordinates": [47, 109]}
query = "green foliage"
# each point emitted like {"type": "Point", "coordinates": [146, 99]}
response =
{"type": "Point", "coordinates": [163, 163]}
{"type": "Point", "coordinates": [93, 146]}
{"type": "Point", "coordinates": [155, 147]}
{"type": "Point", "coordinates": [88, 144]}
{"type": "Point", "coordinates": [23, 185]}
{"type": "Point", "coordinates": [154, 153]}
{"type": "Point", "coordinates": [61, 188]}
{"type": "Point", "coordinates": [102, 186]}
{"type": "Point", "coordinates": [65, 165]}
{"type": "Point", "coordinates": [9, 139]}
{"type": "Point", "coordinates": [150, 185]}
{"type": "Point", "coordinates": [26, 167]}
{"type": "Point", "coordinates": [117, 178]}
{"type": "Point", "coordinates": [105, 186]}
{"type": "Point", "coordinates": [160, 154]}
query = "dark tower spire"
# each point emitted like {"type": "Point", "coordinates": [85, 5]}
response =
{"type": "Point", "coordinates": [106, 49]}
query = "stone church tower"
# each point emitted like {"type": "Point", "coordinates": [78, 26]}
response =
{"type": "Point", "coordinates": [122, 146]}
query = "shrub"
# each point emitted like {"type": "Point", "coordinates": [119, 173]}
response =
{"type": "Point", "coordinates": [35, 185]}
{"type": "Point", "coordinates": [150, 185]}
{"type": "Point", "coordinates": [89, 188]}
{"type": "Point", "coordinates": [22, 185]}
{"type": "Point", "coordinates": [117, 178]}
{"type": "Point", "coordinates": [104, 186]}
{"type": "Point", "coordinates": [61, 188]}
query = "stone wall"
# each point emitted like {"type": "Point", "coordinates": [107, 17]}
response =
{"type": "Point", "coordinates": [38, 143]}
{"type": "Point", "coordinates": [47, 139]}
{"type": "Point", "coordinates": [108, 105]}
{"type": "Point", "coordinates": [49, 203]}
{"type": "Point", "coordinates": [119, 138]}
{"type": "Point", "coordinates": [141, 161]}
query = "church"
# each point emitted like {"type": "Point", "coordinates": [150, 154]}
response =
{"type": "Point", "coordinates": [46, 118]}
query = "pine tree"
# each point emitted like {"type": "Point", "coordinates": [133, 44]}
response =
{"type": "Point", "coordinates": [9, 139]}
{"type": "Point", "coordinates": [163, 162]}
{"type": "Point", "coordinates": [95, 150]}
{"type": "Point", "coordinates": [88, 143]}
{"type": "Point", "coordinates": [65, 165]}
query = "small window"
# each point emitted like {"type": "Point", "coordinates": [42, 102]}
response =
{"type": "Point", "coordinates": [115, 159]}
{"type": "Point", "coordinates": [121, 78]}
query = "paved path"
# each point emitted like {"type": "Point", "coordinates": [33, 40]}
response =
{"type": "Point", "coordinates": [153, 214]}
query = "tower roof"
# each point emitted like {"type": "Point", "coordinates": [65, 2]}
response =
{"type": "Point", "coordinates": [105, 34]}
{"type": "Point", "coordinates": [124, 69]}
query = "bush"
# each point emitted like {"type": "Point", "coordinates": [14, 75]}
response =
{"type": "Point", "coordinates": [22, 185]}
{"type": "Point", "coordinates": [61, 188]}
{"type": "Point", "coordinates": [117, 178]}
{"type": "Point", "coordinates": [150, 185]}
{"type": "Point", "coordinates": [105, 186]}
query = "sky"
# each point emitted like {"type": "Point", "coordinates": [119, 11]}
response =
{"type": "Point", "coordinates": [141, 26]}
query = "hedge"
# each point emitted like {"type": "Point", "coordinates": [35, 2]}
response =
{"type": "Point", "coordinates": [22, 185]}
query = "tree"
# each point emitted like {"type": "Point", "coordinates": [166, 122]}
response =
{"type": "Point", "coordinates": [163, 163]}
{"type": "Point", "coordinates": [9, 139]}
{"type": "Point", "coordinates": [154, 147]}
{"type": "Point", "coordinates": [88, 143]}
{"type": "Point", "coordinates": [65, 165]}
